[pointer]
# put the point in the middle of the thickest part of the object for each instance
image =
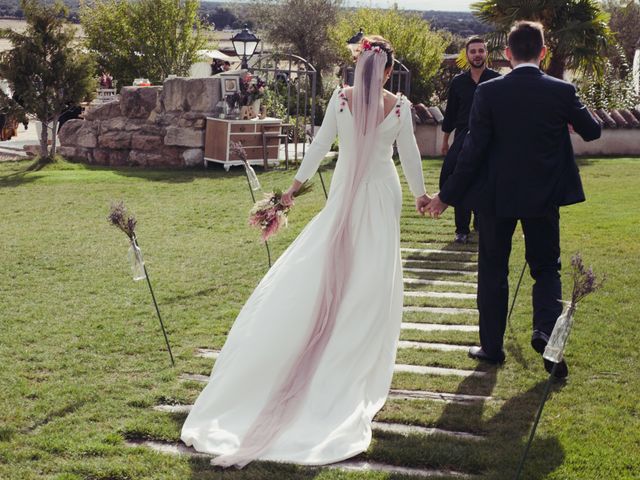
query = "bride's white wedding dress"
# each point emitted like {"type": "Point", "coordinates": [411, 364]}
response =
{"type": "Point", "coordinates": [352, 378]}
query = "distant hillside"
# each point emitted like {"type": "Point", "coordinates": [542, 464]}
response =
{"type": "Point", "coordinates": [221, 14]}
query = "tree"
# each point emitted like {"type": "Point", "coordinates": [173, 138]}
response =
{"type": "Point", "coordinates": [576, 31]}
{"type": "Point", "coordinates": [301, 25]}
{"type": "Point", "coordinates": [418, 47]}
{"type": "Point", "coordinates": [624, 22]}
{"type": "Point", "coordinates": [45, 72]}
{"type": "Point", "coordinates": [145, 38]}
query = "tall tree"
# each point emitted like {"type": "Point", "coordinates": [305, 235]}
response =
{"type": "Point", "coordinates": [299, 25]}
{"type": "Point", "coordinates": [145, 38]}
{"type": "Point", "coordinates": [45, 71]}
{"type": "Point", "coordinates": [576, 31]}
{"type": "Point", "coordinates": [418, 47]}
{"type": "Point", "coordinates": [625, 24]}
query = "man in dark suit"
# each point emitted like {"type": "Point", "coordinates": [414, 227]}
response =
{"type": "Point", "coordinates": [517, 164]}
{"type": "Point", "coordinates": [456, 117]}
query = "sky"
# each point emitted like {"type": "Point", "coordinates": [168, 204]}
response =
{"type": "Point", "coordinates": [449, 5]}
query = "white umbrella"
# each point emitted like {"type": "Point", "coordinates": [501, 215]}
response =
{"type": "Point", "coordinates": [217, 54]}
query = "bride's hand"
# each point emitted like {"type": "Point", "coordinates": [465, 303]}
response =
{"type": "Point", "coordinates": [421, 203]}
{"type": "Point", "coordinates": [287, 198]}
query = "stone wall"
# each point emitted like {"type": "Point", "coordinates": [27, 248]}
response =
{"type": "Point", "coordinates": [148, 126]}
{"type": "Point", "coordinates": [613, 142]}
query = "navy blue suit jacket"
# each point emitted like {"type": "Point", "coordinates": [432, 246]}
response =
{"type": "Point", "coordinates": [517, 160]}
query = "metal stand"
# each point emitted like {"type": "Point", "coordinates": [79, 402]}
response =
{"type": "Point", "coordinates": [155, 304]}
{"type": "Point", "coordinates": [324, 189]}
{"type": "Point", "coordinates": [515, 294]}
{"type": "Point", "coordinates": [535, 423]}
{"type": "Point", "coordinates": [253, 197]}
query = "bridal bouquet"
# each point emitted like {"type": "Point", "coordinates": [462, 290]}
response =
{"type": "Point", "coordinates": [269, 215]}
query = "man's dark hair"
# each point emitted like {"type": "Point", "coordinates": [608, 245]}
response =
{"type": "Point", "coordinates": [227, 62]}
{"type": "Point", "coordinates": [473, 40]}
{"type": "Point", "coordinates": [526, 40]}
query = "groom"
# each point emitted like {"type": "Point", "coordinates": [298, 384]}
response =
{"type": "Point", "coordinates": [517, 164]}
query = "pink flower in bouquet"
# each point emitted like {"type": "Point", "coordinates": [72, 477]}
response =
{"type": "Point", "coordinates": [269, 215]}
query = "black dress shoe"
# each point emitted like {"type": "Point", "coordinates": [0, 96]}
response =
{"type": "Point", "coordinates": [479, 354]}
{"type": "Point", "coordinates": [562, 370]}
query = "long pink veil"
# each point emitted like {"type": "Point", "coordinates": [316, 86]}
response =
{"type": "Point", "coordinates": [286, 398]}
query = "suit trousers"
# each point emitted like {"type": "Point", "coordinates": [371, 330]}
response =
{"type": "Point", "coordinates": [542, 247]}
{"type": "Point", "coordinates": [463, 219]}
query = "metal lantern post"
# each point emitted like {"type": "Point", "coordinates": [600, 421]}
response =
{"type": "Point", "coordinates": [244, 44]}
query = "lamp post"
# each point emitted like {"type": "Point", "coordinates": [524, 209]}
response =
{"type": "Point", "coordinates": [354, 42]}
{"type": "Point", "coordinates": [244, 44]}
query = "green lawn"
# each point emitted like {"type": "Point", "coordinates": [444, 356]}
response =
{"type": "Point", "coordinates": [82, 360]}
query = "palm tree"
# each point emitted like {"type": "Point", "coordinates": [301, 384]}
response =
{"type": "Point", "coordinates": [577, 33]}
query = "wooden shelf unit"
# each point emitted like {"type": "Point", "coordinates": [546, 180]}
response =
{"type": "Point", "coordinates": [220, 132]}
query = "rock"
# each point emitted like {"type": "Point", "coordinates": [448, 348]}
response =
{"type": "Point", "coordinates": [117, 123]}
{"type": "Point", "coordinates": [103, 112]}
{"type": "Point", "coordinates": [190, 94]}
{"type": "Point", "coordinates": [86, 137]}
{"type": "Point", "coordinates": [67, 134]}
{"type": "Point", "coordinates": [138, 102]}
{"type": "Point", "coordinates": [192, 122]}
{"type": "Point", "coordinates": [193, 157]}
{"type": "Point", "coordinates": [78, 154]}
{"type": "Point", "coordinates": [185, 137]}
{"type": "Point", "coordinates": [32, 150]}
{"type": "Point", "coordinates": [140, 141]}
{"type": "Point", "coordinates": [163, 118]}
{"type": "Point", "coordinates": [167, 157]}
{"type": "Point", "coordinates": [133, 124]}
{"type": "Point", "coordinates": [115, 140]}
{"type": "Point", "coordinates": [110, 157]}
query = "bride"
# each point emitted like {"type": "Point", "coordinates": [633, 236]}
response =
{"type": "Point", "coordinates": [309, 360]}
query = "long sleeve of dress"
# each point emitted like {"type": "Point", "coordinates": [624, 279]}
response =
{"type": "Point", "coordinates": [321, 143]}
{"type": "Point", "coordinates": [409, 153]}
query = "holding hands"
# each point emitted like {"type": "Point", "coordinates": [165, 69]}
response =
{"type": "Point", "coordinates": [436, 207]}
{"type": "Point", "coordinates": [421, 203]}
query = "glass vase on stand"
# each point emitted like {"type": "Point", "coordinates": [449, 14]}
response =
{"type": "Point", "coordinates": [555, 347]}
{"type": "Point", "coordinates": [136, 261]}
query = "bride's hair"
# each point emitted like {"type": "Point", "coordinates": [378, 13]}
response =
{"type": "Point", "coordinates": [384, 44]}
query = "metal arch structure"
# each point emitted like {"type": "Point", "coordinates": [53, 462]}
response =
{"type": "Point", "coordinates": [295, 74]}
{"type": "Point", "coordinates": [399, 81]}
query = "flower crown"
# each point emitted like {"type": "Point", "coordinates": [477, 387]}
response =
{"type": "Point", "coordinates": [366, 46]}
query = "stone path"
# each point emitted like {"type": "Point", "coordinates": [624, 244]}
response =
{"type": "Point", "coordinates": [455, 282]}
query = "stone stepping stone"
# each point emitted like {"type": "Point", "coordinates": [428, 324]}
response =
{"type": "Point", "coordinates": [428, 246]}
{"type": "Point", "coordinates": [426, 261]}
{"type": "Point", "coordinates": [410, 293]}
{"type": "Point", "coordinates": [207, 353]}
{"type": "Point", "coordinates": [440, 270]}
{"type": "Point", "coordinates": [434, 327]}
{"type": "Point", "coordinates": [443, 347]}
{"type": "Point", "coordinates": [173, 408]}
{"type": "Point", "coordinates": [194, 377]}
{"type": "Point", "coordinates": [399, 428]}
{"type": "Point", "coordinates": [443, 310]}
{"type": "Point", "coordinates": [425, 370]}
{"type": "Point", "coordinates": [443, 283]}
{"type": "Point", "coordinates": [168, 448]}
{"type": "Point", "coordinates": [393, 393]}
{"type": "Point", "coordinates": [429, 251]}
{"type": "Point", "coordinates": [402, 429]}
{"type": "Point", "coordinates": [398, 394]}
